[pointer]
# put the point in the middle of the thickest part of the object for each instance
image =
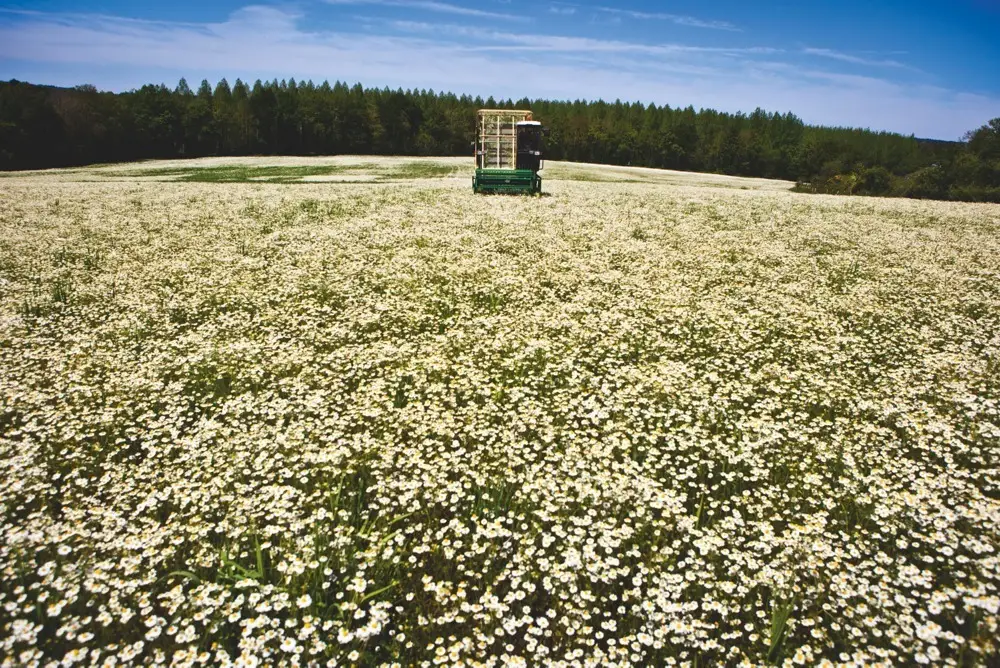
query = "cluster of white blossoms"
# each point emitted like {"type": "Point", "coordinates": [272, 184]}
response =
{"type": "Point", "coordinates": [622, 424]}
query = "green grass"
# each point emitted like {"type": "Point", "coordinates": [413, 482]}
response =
{"type": "Point", "coordinates": [558, 175]}
{"type": "Point", "coordinates": [420, 170]}
{"type": "Point", "coordinates": [7, 174]}
{"type": "Point", "coordinates": [244, 173]}
{"type": "Point", "coordinates": [292, 174]}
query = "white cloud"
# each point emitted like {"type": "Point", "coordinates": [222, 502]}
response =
{"type": "Point", "coordinates": [856, 60]}
{"type": "Point", "coordinates": [431, 6]}
{"type": "Point", "coordinates": [557, 43]}
{"type": "Point", "coordinates": [268, 42]}
{"type": "Point", "coordinates": [679, 19]}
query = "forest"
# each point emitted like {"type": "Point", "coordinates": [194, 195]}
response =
{"type": "Point", "coordinates": [44, 126]}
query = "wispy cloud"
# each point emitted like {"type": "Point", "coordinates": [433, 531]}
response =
{"type": "Point", "coordinates": [432, 6]}
{"type": "Point", "coordinates": [678, 19]}
{"type": "Point", "coordinates": [536, 42]}
{"type": "Point", "coordinates": [562, 10]}
{"type": "Point", "coordinates": [856, 60]}
{"type": "Point", "coordinates": [256, 41]}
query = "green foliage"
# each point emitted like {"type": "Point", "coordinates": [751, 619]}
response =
{"type": "Point", "coordinates": [55, 127]}
{"type": "Point", "coordinates": [873, 181]}
{"type": "Point", "coordinates": [967, 176]}
{"type": "Point", "coordinates": [985, 142]}
{"type": "Point", "coordinates": [927, 183]}
{"type": "Point", "coordinates": [779, 627]}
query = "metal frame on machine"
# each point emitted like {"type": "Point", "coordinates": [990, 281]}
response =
{"type": "Point", "coordinates": [496, 147]}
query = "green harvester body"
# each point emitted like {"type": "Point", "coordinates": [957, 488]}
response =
{"type": "Point", "coordinates": [508, 152]}
{"type": "Point", "coordinates": [507, 181]}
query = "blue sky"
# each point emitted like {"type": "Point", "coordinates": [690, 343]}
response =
{"type": "Point", "coordinates": [927, 68]}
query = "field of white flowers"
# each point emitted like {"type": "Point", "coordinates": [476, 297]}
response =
{"type": "Point", "coordinates": [646, 419]}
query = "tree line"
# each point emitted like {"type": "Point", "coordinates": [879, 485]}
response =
{"type": "Point", "coordinates": [43, 126]}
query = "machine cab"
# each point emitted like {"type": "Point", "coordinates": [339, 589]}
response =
{"type": "Point", "coordinates": [529, 145]}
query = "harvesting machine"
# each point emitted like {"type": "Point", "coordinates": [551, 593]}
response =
{"type": "Point", "coordinates": [508, 152]}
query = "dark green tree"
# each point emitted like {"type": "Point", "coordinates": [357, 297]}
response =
{"type": "Point", "coordinates": [44, 126]}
